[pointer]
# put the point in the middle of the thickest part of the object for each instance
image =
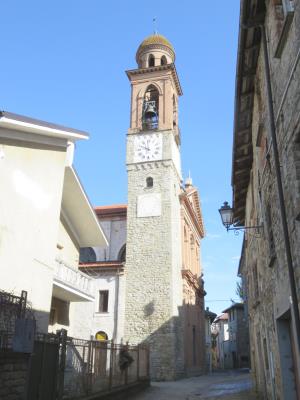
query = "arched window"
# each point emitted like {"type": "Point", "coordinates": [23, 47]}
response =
{"type": "Point", "coordinates": [151, 60]}
{"type": "Point", "coordinates": [87, 255]}
{"type": "Point", "coordinates": [101, 336]}
{"type": "Point", "coordinates": [122, 254]}
{"type": "Point", "coordinates": [174, 111]}
{"type": "Point", "coordinates": [163, 60]}
{"type": "Point", "coordinates": [149, 182]}
{"type": "Point", "coordinates": [151, 108]}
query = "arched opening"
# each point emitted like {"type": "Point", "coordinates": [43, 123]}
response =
{"type": "Point", "coordinates": [174, 112]}
{"type": "Point", "coordinates": [163, 60]}
{"type": "Point", "coordinates": [122, 254]}
{"type": "Point", "coordinates": [87, 255]}
{"type": "Point", "coordinates": [149, 182]}
{"type": "Point", "coordinates": [101, 336]}
{"type": "Point", "coordinates": [151, 108]}
{"type": "Point", "coordinates": [151, 61]}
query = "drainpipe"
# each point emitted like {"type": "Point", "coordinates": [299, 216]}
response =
{"type": "Point", "coordinates": [287, 243]}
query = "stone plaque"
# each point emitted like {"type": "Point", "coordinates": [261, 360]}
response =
{"type": "Point", "coordinates": [149, 205]}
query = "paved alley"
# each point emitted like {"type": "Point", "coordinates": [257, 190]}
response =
{"type": "Point", "coordinates": [231, 385]}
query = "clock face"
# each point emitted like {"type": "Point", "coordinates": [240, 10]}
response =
{"type": "Point", "coordinates": [148, 147]}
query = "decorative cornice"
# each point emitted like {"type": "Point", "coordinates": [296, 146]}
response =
{"type": "Point", "coordinates": [195, 218]}
{"type": "Point", "coordinates": [168, 67]}
{"type": "Point", "coordinates": [193, 280]}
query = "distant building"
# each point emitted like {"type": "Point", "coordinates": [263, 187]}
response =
{"type": "Point", "coordinates": [220, 331]}
{"type": "Point", "coordinates": [238, 335]}
{"type": "Point", "coordinates": [209, 318]}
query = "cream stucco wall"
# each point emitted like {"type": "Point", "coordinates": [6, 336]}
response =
{"type": "Point", "coordinates": [68, 248]}
{"type": "Point", "coordinates": [31, 181]}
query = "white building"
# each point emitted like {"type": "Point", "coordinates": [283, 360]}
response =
{"type": "Point", "coordinates": [106, 266]}
{"type": "Point", "coordinates": [45, 218]}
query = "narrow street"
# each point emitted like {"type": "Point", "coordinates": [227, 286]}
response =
{"type": "Point", "coordinates": [231, 385]}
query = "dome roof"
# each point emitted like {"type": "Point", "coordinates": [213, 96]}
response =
{"type": "Point", "coordinates": [155, 39]}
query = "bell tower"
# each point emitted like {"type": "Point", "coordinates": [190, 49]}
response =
{"type": "Point", "coordinates": [153, 254]}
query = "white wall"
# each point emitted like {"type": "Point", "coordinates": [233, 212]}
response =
{"type": "Point", "coordinates": [31, 181]}
{"type": "Point", "coordinates": [115, 231]}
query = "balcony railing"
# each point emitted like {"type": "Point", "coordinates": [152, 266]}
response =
{"type": "Point", "coordinates": [74, 285]}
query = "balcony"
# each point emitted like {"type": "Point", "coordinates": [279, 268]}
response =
{"type": "Point", "coordinates": [72, 285]}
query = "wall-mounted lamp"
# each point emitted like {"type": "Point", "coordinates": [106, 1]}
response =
{"type": "Point", "coordinates": [226, 213]}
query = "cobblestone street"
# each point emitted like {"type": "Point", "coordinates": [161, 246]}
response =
{"type": "Point", "coordinates": [231, 385]}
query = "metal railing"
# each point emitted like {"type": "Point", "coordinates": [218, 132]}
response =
{"type": "Point", "coordinates": [12, 308]}
{"type": "Point", "coordinates": [94, 367]}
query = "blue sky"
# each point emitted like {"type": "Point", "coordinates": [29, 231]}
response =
{"type": "Point", "coordinates": [64, 62]}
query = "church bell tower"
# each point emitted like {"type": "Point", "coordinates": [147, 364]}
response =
{"type": "Point", "coordinates": [153, 254]}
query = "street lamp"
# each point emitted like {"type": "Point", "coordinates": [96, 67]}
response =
{"type": "Point", "coordinates": [226, 213]}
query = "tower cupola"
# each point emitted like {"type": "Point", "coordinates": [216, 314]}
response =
{"type": "Point", "coordinates": [154, 51]}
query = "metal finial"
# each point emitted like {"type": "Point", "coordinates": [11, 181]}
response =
{"type": "Point", "coordinates": [154, 25]}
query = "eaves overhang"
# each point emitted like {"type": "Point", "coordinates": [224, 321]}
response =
{"type": "Point", "coordinates": [25, 124]}
{"type": "Point", "coordinates": [79, 214]}
{"type": "Point", "coordinates": [252, 14]}
{"type": "Point", "coordinates": [168, 67]}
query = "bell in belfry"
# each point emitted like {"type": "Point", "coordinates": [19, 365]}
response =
{"type": "Point", "coordinates": [150, 117]}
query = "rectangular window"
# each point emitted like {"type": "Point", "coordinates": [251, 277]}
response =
{"type": "Point", "coordinates": [103, 301]}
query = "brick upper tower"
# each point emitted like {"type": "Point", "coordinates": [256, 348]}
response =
{"type": "Point", "coordinates": [153, 260]}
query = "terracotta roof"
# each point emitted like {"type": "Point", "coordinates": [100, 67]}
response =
{"type": "Point", "coordinates": [102, 265]}
{"type": "Point", "coordinates": [114, 210]}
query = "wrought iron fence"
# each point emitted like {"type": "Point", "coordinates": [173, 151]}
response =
{"type": "Point", "coordinates": [93, 366]}
{"type": "Point", "coordinates": [69, 367]}
{"type": "Point", "coordinates": [12, 308]}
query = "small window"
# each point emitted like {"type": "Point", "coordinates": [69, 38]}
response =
{"type": "Point", "coordinates": [103, 301]}
{"type": "Point", "coordinates": [163, 60]}
{"type": "Point", "coordinates": [151, 60]}
{"type": "Point", "coordinates": [149, 182]}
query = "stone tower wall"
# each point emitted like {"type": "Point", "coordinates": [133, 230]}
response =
{"type": "Point", "coordinates": [153, 270]}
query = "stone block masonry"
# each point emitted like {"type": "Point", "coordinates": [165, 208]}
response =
{"type": "Point", "coordinates": [153, 271]}
{"type": "Point", "coordinates": [13, 375]}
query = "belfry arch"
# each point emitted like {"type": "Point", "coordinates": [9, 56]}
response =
{"type": "Point", "coordinates": [150, 113]}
